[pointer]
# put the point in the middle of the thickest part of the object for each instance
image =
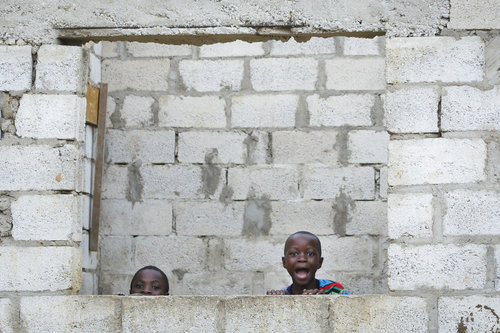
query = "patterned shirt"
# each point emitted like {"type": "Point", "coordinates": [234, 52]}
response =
{"type": "Point", "coordinates": [328, 286]}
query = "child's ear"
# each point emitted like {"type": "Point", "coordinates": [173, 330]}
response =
{"type": "Point", "coordinates": [283, 261]}
{"type": "Point", "coordinates": [320, 262]}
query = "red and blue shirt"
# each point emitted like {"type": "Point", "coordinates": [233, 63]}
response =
{"type": "Point", "coordinates": [328, 286]}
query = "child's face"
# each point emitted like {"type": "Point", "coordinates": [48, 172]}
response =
{"type": "Point", "coordinates": [302, 260]}
{"type": "Point", "coordinates": [149, 283]}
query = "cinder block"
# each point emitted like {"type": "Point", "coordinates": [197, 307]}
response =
{"type": "Point", "coordinates": [497, 259]}
{"type": "Point", "coordinates": [354, 46]}
{"type": "Point", "coordinates": [209, 218]}
{"type": "Point", "coordinates": [148, 217]}
{"type": "Point", "coordinates": [305, 147]}
{"type": "Point", "coordinates": [115, 254]}
{"type": "Point", "coordinates": [137, 49]}
{"type": "Point", "coordinates": [412, 110]}
{"type": "Point", "coordinates": [109, 49]}
{"type": "Point", "coordinates": [492, 75]}
{"type": "Point", "coordinates": [367, 218]}
{"type": "Point", "coordinates": [51, 116]}
{"type": "Point", "coordinates": [216, 147]}
{"type": "Point", "coordinates": [237, 48]}
{"type": "Point", "coordinates": [431, 59]}
{"type": "Point", "coordinates": [147, 146]}
{"type": "Point", "coordinates": [115, 182]}
{"type": "Point", "coordinates": [314, 46]}
{"type": "Point", "coordinates": [409, 215]}
{"type": "Point", "coordinates": [112, 284]}
{"type": "Point", "coordinates": [15, 68]}
{"type": "Point", "coordinates": [181, 182]}
{"type": "Point", "coordinates": [436, 161]}
{"type": "Point", "coordinates": [89, 286]}
{"type": "Point", "coordinates": [193, 314]}
{"type": "Point", "coordinates": [327, 183]}
{"type": "Point", "coordinates": [46, 217]}
{"type": "Point", "coordinates": [266, 254]}
{"type": "Point", "coordinates": [218, 283]}
{"type": "Point", "coordinates": [197, 112]}
{"type": "Point", "coordinates": [314, 216]}
{"type": "Point", "coordinates": [70, 313]}
{"type": "Point", "coordinates": [110, 110]}
{"type": "Point", "coordinates": [470, 109]}
{"type": "Point", "coordinates": [89, 258]}
{"type": "Point", "coordinates": [60, 68]}
{"type": "Point", "coordinates": [282, 74]}
{"type": "Point", "coordinates": [474, 14]}
{"type": "Point", "coordinates": [294, 315]}
{"type": "Point", "coordinates": [348, 109]}
{"type": "Point", "coordinates": [21, 169]}
{"type": "Point", "coordinates": [476, 313]}
{"type": "Point", "coordinates": [94, 69]}
{"type": "Point", "coordinates": [171, 253]}
{"type": "Point", "coordinates": [211, 75]}
{"type": "Point", "coordinates": [150, 74]}
{"type": "Point", "coordinates": [472, 213]}
{"type": "Point", "coordinates": [379, 314]}
{"type": "Point", "coordinates": [278, 182]}
{"type": "Point", "coordinates": [367, 146]}
{"type": "Point", "coordinates": [8, 318]}
{"type": "Point", "coordinates": [437, 266]}
{"type": "Point", "coordinates": [40, 268]}
{"type": "Point", "coordinates": [365, 73]}
{"type": "Point", "coordinates": [264, 110]}
{"type": "Point", "coordinates": [383, 184]}
{"type": "Point", "coordinates": [348, 254]}
{"type": "Point", "coordinates": [136, 111]}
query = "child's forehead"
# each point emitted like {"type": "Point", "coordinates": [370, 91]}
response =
{"type": "Point", "coordinates": [302, 239]}
{"type": "Point", "coordinates": [149, 274]}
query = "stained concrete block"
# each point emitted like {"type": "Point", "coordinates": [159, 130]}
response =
{"type": "Point", "coordinates": [8, 318]}
{"type": "Point", "coordinates": [411, 110]}
{"type": "Point", "coordinates": [46, 217]}
{"type": "Point", "coordinates": [161, 316]}
{"type": "Point", "coordinates": [348, 109]}
{"type": "Point", "coordinates": [109, 49]}
{"type": "Point", "coordinates": [384, 185]}
{"type": "Point", "coordinates": [264, 110]}
{"type": "Point", "coordinates": [136, 111]}
{"type": "Point", "coordinates": [40, 268]}
{"type": "Point", "coordinates": [492, 54]}
{"type": "Point", "coordinates": [222, 147]}
{"type": "Point", "coordinates": [115, 182]}
{"type": "Point", "coordinates": [15, 68]}
{"type": "Point", "coordinates": [497, 260]}
{"type": "Point", "coordinates": [139, 75]}
{"type": "Point", "coordinates": [379, 314]}
{"type": "Point", "coordinates": [89, 285]}
{"type": "Point", "coordinates": [367, 218]}
{"type": "Point", "coordinates": [211, 75]}
{"type": "Point", "coordinates": [51, 116]}
{"type": "Point", "coordinates": [181, 181]}
{"type": "Point", "coordinates": [431, 59]}
{"type": "Point", "coordinates": [272, 182]}
{"type": "Point", "coordinates": [266, 254]}
{"type": "Point", "coordinates": [148, 217]}
{"type": "Point", "coordinates": [305, 147]}
{"type": "Point", "coordinates": [89, 258]}
{"type": "Point", "coordinates": [291, 216]}
{"type": "Point", "coordinates": [367, 146]}
{"type": "Point", "coordinates": [478, 313]}
{"type": "Point", "coordinates": [147, 146]}
{"type": "Point", "coordinates": [115, 254]}
{"type": "Point", "coordinates": [437, 266]}
{"type": "Point", "coordinates": [324, 182]}
{"type": "Point", "coordinates": [209, 218]}
{"type": "Point", "coordinates": [354, 46]}
{"type": "Point", "coordinates": [60, 68]}
{"type": "Point", "coordinates": [314, 46]}
{"type": "Point", "coordinates": [21, 169]}
{"type": "Point", "coordinates": [237, 48]}
{"type": "Point", "coordinates": [138, 50]}
{"type": "Point", "coordinates": [94, 69]}
{"type": "Point", "coordinates": [187, 111]}
{"type": "Point", "coordinates": [410, 215]}
{"type": "Point", "coordinates": [471, 213]}
{"type": "Point", "coordinates": [470, 109]}
{"type": "Point", "coordinates": [70, 313]}
{"type": "Point", "coordinates": [436, 161]}
{"type": "Point", "coordinates": [474, 14]}
{"type": "Point", "coordinates": [365, 73]}
{"type": "Point", "coordinates": [357, 254]}
{"type": "Point", "coordinates": [283, 74]}
{"type": "Point", "coordinates": [171, 253]}
{"type": "Point", "coordinates": [221, 283]}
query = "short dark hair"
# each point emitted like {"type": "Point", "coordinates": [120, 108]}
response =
{"type": "Point", "coordinates": [307, 233]}
{"type": "Point", "coordinates": [154, 268]}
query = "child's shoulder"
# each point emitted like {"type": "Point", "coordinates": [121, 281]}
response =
{"type": "Point", "coordinates": [331, 287]}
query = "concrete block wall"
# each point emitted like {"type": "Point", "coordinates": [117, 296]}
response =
{"type": "Point", "coordinates": [42, 121]}
{"type": "Point", "coordinates": [216, 153]}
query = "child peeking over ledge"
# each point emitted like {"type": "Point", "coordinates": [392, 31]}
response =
{"type": "Point", "coordinates": [149, 281]}
{"type": "Point", "coordinates": [302, 258]}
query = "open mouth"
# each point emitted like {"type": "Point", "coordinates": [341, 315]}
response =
{"type": "Point", "coordinates": [301, 273]}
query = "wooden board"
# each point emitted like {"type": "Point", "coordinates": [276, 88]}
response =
{"type": "Point", "coordinates": [92, 97]}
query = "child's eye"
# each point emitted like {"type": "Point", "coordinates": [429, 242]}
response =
{"type": "Point", "coordinates": [311, 254]}
{"type": "Point", "coordinates": [138, 286]}
{"type": "Point", "coordinates": [293, 254]}
{"type": "Point", "coordinates": [156, 287]}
